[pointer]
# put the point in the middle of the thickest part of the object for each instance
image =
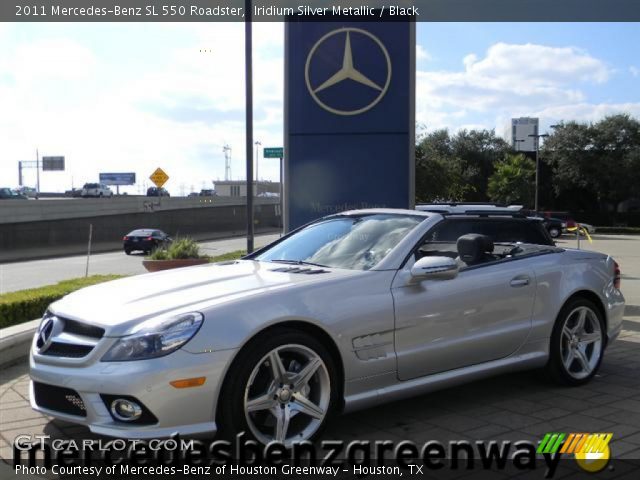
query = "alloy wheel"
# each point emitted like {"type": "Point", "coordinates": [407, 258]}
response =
{"type": "Point", "coordinates": [287, 395]}
{"type": "Point", "coordinates": [581, 342]}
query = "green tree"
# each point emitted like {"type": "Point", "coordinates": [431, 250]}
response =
{"type": "Point", "coordinates": [456, 168]}
{"type": "Point", "coordinates": [513, 180]}
{"type": "Point", "coordinates": [595, 164]}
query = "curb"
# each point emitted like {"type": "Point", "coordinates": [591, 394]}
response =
{"type": "Point", "coordinates": [15, 342]}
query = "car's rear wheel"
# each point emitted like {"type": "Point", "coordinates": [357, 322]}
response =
{"type": "Point", "coordinates": [282, 390]}
{"type": "Point", "coordinates": [127, 251]}
{"type": "Point", "coordinates": [554, 232]}
{"type": "Point", "coordinates": [577, 343]}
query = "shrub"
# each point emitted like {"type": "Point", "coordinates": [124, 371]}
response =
{"type": "Point", "coordinates": [25, 305]}
{"type": "Point", "coordinates": [180, 248]}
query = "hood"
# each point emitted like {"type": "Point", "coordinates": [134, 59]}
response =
{"type": "Point", "coordinates": [119, 304]}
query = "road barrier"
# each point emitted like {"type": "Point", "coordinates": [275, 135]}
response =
{"type": "Point", "coordinates": [67, 235]}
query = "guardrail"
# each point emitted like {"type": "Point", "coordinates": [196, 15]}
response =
{"type": "Point", "coordinates": [21, 211]}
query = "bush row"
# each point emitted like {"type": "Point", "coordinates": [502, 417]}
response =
{"type": "Point", "coordinates": [25, 305]}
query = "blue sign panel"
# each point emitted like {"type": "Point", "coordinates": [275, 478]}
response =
{"type": "Point", "coordinates": [349, 117]}
{"type": "Point", "coordinates": [118, 178]}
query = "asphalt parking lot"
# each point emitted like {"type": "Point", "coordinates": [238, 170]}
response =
{"type": "Point", "coordinates": [519, 406]}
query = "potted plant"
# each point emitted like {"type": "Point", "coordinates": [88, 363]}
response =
{"type": "Point", "coordinates": [182, 252]}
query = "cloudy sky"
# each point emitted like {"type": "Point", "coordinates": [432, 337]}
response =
{"type": "Point", "coordinates": [131, 97]}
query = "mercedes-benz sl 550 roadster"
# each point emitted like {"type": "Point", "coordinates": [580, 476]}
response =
{"type": "Point", "coordinates": [346, 312]}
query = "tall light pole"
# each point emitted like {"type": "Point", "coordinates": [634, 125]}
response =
{"type": "Point", "coordinates": [248, 75]}
{"type": "Point", "coordinates": [537, 137]}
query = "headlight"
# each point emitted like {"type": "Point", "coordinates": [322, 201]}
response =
{"type": "Point", "coordinates": [155, 338]}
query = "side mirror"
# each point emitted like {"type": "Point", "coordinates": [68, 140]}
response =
{"type": "Point", "coordinates": [435, 268]}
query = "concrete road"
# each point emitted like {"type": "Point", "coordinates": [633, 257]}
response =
{"type": "Point", "coordinates": [36, 273]}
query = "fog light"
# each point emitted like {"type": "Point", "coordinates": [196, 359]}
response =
{"type": "Point", "coordinates": [125, 410]}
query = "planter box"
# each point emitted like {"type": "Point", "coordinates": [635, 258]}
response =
{"type": "Point", "coordinates": [158, 265]}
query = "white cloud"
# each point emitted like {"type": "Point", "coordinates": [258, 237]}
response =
{"type": "Point", "coordinates": [422, 53]}
{"type": "Point", "coordinates": [178, 114]}
{"type": "Point", "coordinates": [508, 80]}
{"type": "Point", "coordinates": [635, 71]}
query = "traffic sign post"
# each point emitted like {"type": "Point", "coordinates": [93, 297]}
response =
{"type": "Point", "coordinates": [277, 152]}
{"type": "Point", "coordinates": [159, 177]}
{"type": "Point", "coordinates": [273, 152]}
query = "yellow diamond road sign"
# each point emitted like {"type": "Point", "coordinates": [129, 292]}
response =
{"type": "Point", "coordinates": [159, 177]}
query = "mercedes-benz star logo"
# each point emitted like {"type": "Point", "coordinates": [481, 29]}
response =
{"type": "Point", "coordinates": [348, 71]}
{"type": "Point", "coordinates": [45, 334]}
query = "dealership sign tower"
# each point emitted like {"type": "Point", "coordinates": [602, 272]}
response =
{"type": "Point", "coordinates": [349, 116]}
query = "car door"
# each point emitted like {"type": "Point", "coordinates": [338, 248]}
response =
{"type": "Point", "coordinates": [483, 314]}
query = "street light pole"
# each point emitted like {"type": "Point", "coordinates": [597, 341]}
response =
{"type": "Point", "coordinates": [248, 68]}
{"type": "Point", "coordinates": [537, 140]}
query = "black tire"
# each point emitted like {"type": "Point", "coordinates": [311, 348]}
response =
{"type": "Point", "coordinates": [555, 368]}
{"type": "Point", "coordinates": [127, 251]}
{"type": "Point", "coordinates": [230, 412]}
{"type": "Point", "coordinates": [554, 232]}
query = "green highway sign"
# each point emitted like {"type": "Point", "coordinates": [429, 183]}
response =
{"type": "Point", "coordinates": [273, 152]}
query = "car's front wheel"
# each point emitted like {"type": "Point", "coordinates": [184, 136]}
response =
{"type": "Point", "coordinates": [554, 232]}
{"type": "Point", "coordinates": [284, 389]}
{"type": "Point", "coordinates": [577, 343]}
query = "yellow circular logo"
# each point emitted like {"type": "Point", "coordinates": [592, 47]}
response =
{"type": "Point", "coordinates": [594, 462]}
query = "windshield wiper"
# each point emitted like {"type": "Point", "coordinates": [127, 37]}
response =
{"type": "Point", "coordinates": [298, 262]}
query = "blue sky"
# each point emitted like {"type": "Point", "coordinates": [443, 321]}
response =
{"type": "Point", "coordinates": [131, 97]}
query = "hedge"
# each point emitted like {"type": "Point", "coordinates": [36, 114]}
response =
{"type": "Point", "coordinates": [619, 230]}
{"type": "Point", "coordinates": [225, 257]}
{"type": "Point", "coordinates": [25, 305]}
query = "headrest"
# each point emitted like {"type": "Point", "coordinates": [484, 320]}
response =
{"type": "Point", "coordinates": [472, 247]}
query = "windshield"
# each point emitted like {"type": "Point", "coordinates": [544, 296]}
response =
{"type": "Point", "coordinates": [354, 242]}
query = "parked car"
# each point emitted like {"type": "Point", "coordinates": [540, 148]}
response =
{"type": "Point", "coordinates": [74, 193]}
{"type": "Point", "coordinates": [350, 311]}
{"type": "Point", "coordinates": [28, 192]}
{"type": "Point", "coordinates": [206, 192]}
{"type": "Point", "coordinates": [145, 240]}
{"type": "Point", "coordinates": [566, 217]}
{"type": "Point", "coordinates": [554, 226]}
{"type": "Point", "coordinates": [501, 223]}
{"type": "Point", "coordinates": [589, 228]}
{"type": "Point", "coordinates": [157, 192]}
{"type": "Point", "coordinates": [9, 194]}
{"type": "Point", "coordinates": [96, 190]}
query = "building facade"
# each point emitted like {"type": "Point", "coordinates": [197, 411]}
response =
{"type": "Point", "coordinates": [238, 188]}
{"type": "Point", "coordinates": [519, 134]}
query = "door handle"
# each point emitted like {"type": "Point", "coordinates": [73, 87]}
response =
{"type": "Point", "coordinates": [520, 281]}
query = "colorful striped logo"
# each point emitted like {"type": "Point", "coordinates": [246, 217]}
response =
{"type": "Point", "coordinates": [575, 443]}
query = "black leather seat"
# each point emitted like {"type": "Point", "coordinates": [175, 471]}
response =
{"type": "Point", "coordinates": [475, 249]}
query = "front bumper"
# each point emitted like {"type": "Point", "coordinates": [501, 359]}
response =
{"type": "Point", "coordinates": [186, 411]}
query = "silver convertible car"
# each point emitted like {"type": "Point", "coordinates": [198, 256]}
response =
{"type": "Point", "coordinates": [344, 313]}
